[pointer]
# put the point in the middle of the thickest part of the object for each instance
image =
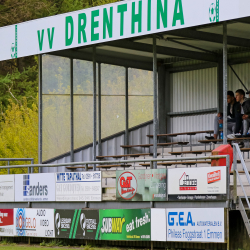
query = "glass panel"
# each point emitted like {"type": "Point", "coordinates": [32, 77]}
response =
{"type": "Point", "coordinates": [56, 106]}
{"type": "Point", "coordinates": [140, 89]}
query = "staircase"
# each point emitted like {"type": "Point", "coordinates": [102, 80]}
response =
{"type": "Point", "coordinates": [242, 202]}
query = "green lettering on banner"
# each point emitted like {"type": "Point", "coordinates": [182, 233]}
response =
{"type": "Point", "coordinates": [51, 37]}
{"type": "Point", "coordinates": [40, 39]}
{"type": "Point", "coordinates": [94, 24]}
{"type": "Point", "coordinates": [217, 10]}
{"type": "Point", "coordinates": [149, 15]}
{"type": "Point", "coordinates": [107, 22]}
{"type": "Point", "coordinates": [162, 13]}
{"type": "Point", "coordinates": [81, 28]}
{"type": "Point", "coordinates": [178, 15]}
{"type": "Point", "coordinates": [69, 22]}
{"type": "Point", "coordinates": [136, 18]}
{"type": "Point", "coordinates": [121, 9]}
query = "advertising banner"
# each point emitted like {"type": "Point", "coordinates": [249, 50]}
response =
{"type": "Point", "coordinates": [124, 224]}
{"type": "Point", "coordinates": [6, 222]}
{"type": "Point", "coordinates": [79, 186]}
{"type": "Point", "coordinates": [34, 222]}
{"type": "Point", "coordinates": [35, 187]}
{"type": "Point", "coordinates": [196, 225]}
{"type": "Point", "coordinates": [76, 224]}
{"type": "Point", "coordinates": [124, 19]}
{"type": "Point", "coordinates": [190, 184]}
{"type": "Point", "coordinates": [7, 191]}
{"type": "Point", "coordinates": [141, 185]}
{"type": "Point", "coordinates": [158, 224]}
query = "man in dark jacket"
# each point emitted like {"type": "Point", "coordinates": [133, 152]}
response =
{"type": "Point", "coordinates": [245, 109]}
{"type": "Point", "coordinates": [234, 120]}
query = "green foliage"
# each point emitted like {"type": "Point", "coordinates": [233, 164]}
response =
{"type": "Point", "coordinates": [53, 243]}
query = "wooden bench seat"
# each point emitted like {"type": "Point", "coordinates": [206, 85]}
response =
{"type": "Point", "coordinates": [76, 167]}
{"type": "Point", "coordinates": [220, 140]}
{"type": "Point", "coordinates": [177, 163]}
{"type": "Point", "coordinates": [186, 133]}
{"type": "Point", "coordinates": [103, 166]}
{"type": "Point", "coordinates": [158, 144]}
{"type": "Point", "coordinates": [191, 152]}
{"type": "Point", "coordinates": [127, 155]}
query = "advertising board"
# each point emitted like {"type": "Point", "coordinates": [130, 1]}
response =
{"type": "Point", "coordinates": [141, 185]}
{"type": "Point", "coordinates": [190, 184]}
{"type": "Point", "coordinates": [35, 187]}
{"type": "Point", "coordinates": [158, 224]}
{"type": "Point", "coordinates": [34, 222]}
{"type": "Point", "coordinates": [7, 191]}
{"type": "Point", "coordinates": [196, 225]}
{"type": "Point", "coordinates": [6, 222]}
{"type": "Point", "coordinates": [79, 186]}
{"type": "Point", "coordinates": [76, 224]}
{"type": "Point", "coordinates": [124, 224]}
{"type": "Point", "coordinates": [120, 20]}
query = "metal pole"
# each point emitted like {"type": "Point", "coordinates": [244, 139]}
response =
{"type": "Point", "coordinates": [126, 111]}
{"type": "Point", "coordinates": [235, 176]}
{"type": "Point", "coordinates": [32, 168]}
{"type": "Point", "coordinates": [71, 111]}
{"type": "Point", "coordinates": [40, 111]}
{"type": "Point", "coordinates": [99, 111]}
{"type": "Point", "coordinates": [228, 178]}
{"type": "Point", "coordinates": [8, 168]}
{"type": "Point", "coordinates": [155, 101]}
{"type": "Point", "coordinates": [94, 106]}
{"type": "Point", "coordinates": [224, 83]}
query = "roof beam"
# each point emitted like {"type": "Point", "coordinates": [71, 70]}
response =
{"type": "Point", "coordinates": [162, 50]}
{"type": "Point", "coordinates": [119, 61]}
{"type": "Point", "coordinates": [210, 37]}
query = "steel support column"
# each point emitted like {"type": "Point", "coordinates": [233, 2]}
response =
{"type": "Point", "coordinates": [99, 111]}
{"type": "Point", "coordinates": [220, 85]}
{"type": "Point", "coordinates": [126, 111]}
{"type": "Point", "coordinates": [155, 124]}
{"type": "Point", "coordinates": [40, 111]}
{"type": "Point", "coordinates": [224, 83]}
{"type": "Point", "coordinates": [71, 112]}
{"type": "Point", "coordinates": [94, 105]}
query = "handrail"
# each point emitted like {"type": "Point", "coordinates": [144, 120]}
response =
{"type": "Point", "coordinates": [236, 173]}
{"type": "Point", "coordinates": [18, 159]}
{"type": "Point", "coordinates": [120, 161]}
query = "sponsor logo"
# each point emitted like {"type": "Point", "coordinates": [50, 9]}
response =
{"type": "Point", "coordinates": [58, 223]}
{"type": "Point", "coordinates": [24, 223]}
{"type": "Point", "coordinates": [178, 219]}
{"type": "Point", "coordinates": [112, 225]}
{"type": "Point", "coordinates": [87, 224]}
{"type": "Point", "coordinates": [6, 217]}
{"type": "Point", "coordinates": [187, 184]}
{"type": "Point", "coordinates": [13, 48]}
{"type": "Point", "coordinates": [214, 12]}
{"type": "Point", "coordinates": [213, 176]}
{"type": "Point", "coordinates": [127, 185]}
{"type": "Point", "coordinates": [33, 190]}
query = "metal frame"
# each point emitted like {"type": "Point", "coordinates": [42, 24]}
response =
{"type": "Point", "coordinates": [71, 111]}
{"type": "Point", "coordinates": [94, 105]}
{"type": "Point", "coordinates": [40, 110]}
{"type": "Point", "coordinates": [30, 169]}
{"type": "Point", "coordinates": [99, 110]}
{"type": "Point", "coordinates": [126, 138]}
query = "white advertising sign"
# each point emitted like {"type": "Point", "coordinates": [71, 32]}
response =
{"type": "Point", "coordinates": [34, 222]}
{"type": "Point", "coordinates": [7, 188]}
{"type": "Point", "coordinates": [6, 222]}
{"type": "Point", "coordinates": [79, 186]}
{"type": "Point", "coordinates": [196, 225]}
{"type": "Point", "coordinates": [205, 183]}
{"type": "Point", "coordinates": [35, 187]}
{"type": "Point", "coordinates": [158, 224]}
{"type": "Point", "coordinates": [111, 22]}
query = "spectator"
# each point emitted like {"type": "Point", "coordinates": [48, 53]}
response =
{"type": "Point", "coordinates": [234, 120]}
{"type": "Point", "coordinates": [245, 109]}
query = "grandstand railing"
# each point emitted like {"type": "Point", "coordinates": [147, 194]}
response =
{"type": "Point", "coordinates": [8, 160]}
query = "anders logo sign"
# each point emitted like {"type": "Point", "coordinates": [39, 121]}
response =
{"type": "Point", "coordinates": [127, 185]}
{"type": "Point", "coordinates": [35, 187]}
{"type": "Point", "coordinates": [76, 224]}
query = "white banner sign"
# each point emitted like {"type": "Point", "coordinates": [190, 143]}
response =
{"type": "Point", "coordinates": [205, 183]}
{"type": "Point", "coordinates": [113, 22]}
{"type": "Point", "coordinates": [34, 222]}
{"type": "Point", "coordinates": [158, 224]}
{"type": "Point", "coordinates": [35, 187]}
{"type": "Point", "coordinates": [79, 186]}
{"type": "Point", "coordinates": [7, 192]}
{"type": "Point", "coordinates": [6, 222]}
{"type": "Point", "coordinates": [196, 225]}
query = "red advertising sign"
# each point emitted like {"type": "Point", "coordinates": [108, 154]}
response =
{"type": "Point", "coordinates": [213, 176]}
{"type": "Point", "coordinates": [127, 185]}
{"type": "Point", "coordinates": [6, 217]}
